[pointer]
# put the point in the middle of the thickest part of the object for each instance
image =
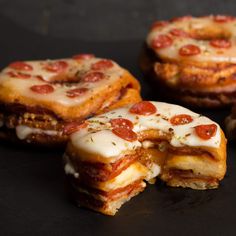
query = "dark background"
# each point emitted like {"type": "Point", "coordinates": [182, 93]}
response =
{"type": "Point", "coordinates": [103, 20]}
{"type": "Point", "coordinates": [33, 200]}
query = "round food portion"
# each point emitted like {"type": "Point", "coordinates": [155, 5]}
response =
{"type": "Point", "coordinates": [193, 59]}
{"type": "Point", "coordinates": [39, 99]}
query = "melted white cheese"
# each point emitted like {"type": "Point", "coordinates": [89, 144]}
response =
{"type": "Point", "coordinates": [23, 131]}
{"type": "Point", "coordinates": [208, 53]}
{"type": "Point", "coordinates": [103, 142]}
{"type": "Point", "coordinates": [69, 168]}
{"type": "Point", "coordinates": [98, 138]}
{"type": "Point", "coordinates": [153, 171]}
{"type": "Point", "coordinates": [134, 172]}
{"type": "Point", "coordinates": [147, 144]}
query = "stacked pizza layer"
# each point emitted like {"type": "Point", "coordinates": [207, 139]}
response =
{"type": "Point", "coordinates": [192, 59]}
{"type": "Point", "coordinates": [41, 101]}
{"type": "Point", "coordinates": [104, 187]}
{"type": "Point", "coordinates": [110, 156]}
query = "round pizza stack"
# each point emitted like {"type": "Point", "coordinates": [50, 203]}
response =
{"type": "Point", "coordinates": [193, 59]}
{"type": "Point", "coordinates": [42, 102]}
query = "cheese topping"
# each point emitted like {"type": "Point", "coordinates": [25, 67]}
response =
{"type": "Point", "coordinates": [98, 137]}
{"type": "Point", "coordinates": [69, 168]}
{"type": "Point", "coordinates": [20, 81]}
{"type": "Point", "coordinates": [217, 51]}
{"type": "Point", "coordinates": [23, 131]}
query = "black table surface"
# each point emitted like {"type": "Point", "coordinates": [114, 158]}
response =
{"type": "Point", "coordinates": [33, 200]}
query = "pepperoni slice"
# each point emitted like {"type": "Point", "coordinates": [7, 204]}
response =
{"type": "Point", "coordinates": [42, 89]}
{"type": "Point", "coordinates": [72, 127]}
{"type": "Point", "coordinates": [220, 43]}
{"type": "Point", "coordinates": [189, 50]}
{"type": "Point", "coordinates": [178, 33]}
{"type": "Point", "coordinates": [182, 18]}
{"type": "Point", "coordinates": [83, 56]}
{"type": "Point", "coordinates": [143, 108]}
{"type": "Point", "coordinates": [159, 24]}
{"type": "Point", "coordinates": [124, 133]}
{"type": "Point", "coordinates": [223, 18]}
{"type": "Point", "coordinates": [102, 65]}
{"type": "Point", "coordinates": [181, 119]}
{"type": "Point", "coordinates": [206, 131]}
{"type": "Point", "coordinates": [76, 92]}
{"type": "Point", "coordinates": [162, 41]}
{"type": "Point", "coordinates": [121, 122]}
{"type": "Point", "coordinates": [93, 77]}
{"type": "Point", "coordinates": [18, 75]}
{"type": "Point", "coordinates": [56, 66]}
{"type": "Point", "coordinates": [20, 65]}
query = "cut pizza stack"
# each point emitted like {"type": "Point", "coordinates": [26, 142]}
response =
{"type": "Point", "coordinates": [111, 156]}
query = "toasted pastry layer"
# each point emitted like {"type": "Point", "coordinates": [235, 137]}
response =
{"type": "Point", "coordinates": [107, 205]}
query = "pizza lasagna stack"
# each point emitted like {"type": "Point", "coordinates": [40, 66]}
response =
{"type": "Point", "coordinates": [110, 156]}
{"type": "Point", "coordinates": [43, 101]}
{"type": "Point", "coordinates": [192, 59]}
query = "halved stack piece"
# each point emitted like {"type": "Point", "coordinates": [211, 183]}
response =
{"type": "Point", "coordinates": [110, 156]}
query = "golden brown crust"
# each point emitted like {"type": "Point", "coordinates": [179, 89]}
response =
{"type": "Point", "coordinates": [107, 205]}
{"type": "Point", "coordinates": [203, 160]}
{"type": "Point", "coordinates": [201, 84]}
{"type": "Point", "coordinates": [47, 115]}
{"type": "Point", "coordinates": [91, 106]}
{"type": "Point", "coordinates": [193, 182]}
{"type": "Point", "coordinates": [201, 77]}
{"type": "Point", "coordinates": [207, 169]}
{"type": "Point", "coordinates": [217, 153]}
